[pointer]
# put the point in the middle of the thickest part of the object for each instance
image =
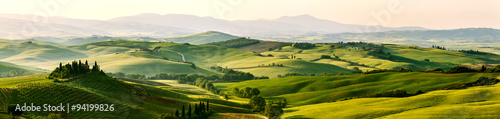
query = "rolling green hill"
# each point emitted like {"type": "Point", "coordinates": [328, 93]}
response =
{"type": "Point", "coordinates": [36, 55]}
{"type": "Point", "coordinates": [205, 56]}
{"type": "Point", "coordinates": [130, 64]}
{"type": "Point", "coordinates": [6, 67]}
{"type": "Point", "coordinates": [318, 89]}
{"type": "Point", "coordinates": [33, 41]}
{"type": "Point", "coordinates": [343, 57]}
{"type": "Point", "coordinates": [474, 102]}
{"type": "Point", "coordinates": [201, 38]}
{"type": "Point", "coordinates": [250, 44]}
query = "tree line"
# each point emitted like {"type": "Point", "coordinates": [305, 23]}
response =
{"type": "Point", "coordinates": [232, 75]}
{"type": "Point", "coordinates": [303, 45]}
{"type": "Point", "coordinates": [479, 82]}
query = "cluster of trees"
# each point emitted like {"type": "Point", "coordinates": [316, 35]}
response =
{"type": "Point", "coordinates": [231, 75]}
{"type": "Point", "coordinates": [379, 53]}
{"type": "Point", "coordinates": [246, 92]}
{"type": "Point", "coordinates": [326, 57]}
{"type": "Point", "coordinates": [200, 111]}
{"type": "Point", "coordinates": [303, 45]}
{"type": "Point", "coordinates": [479, 82]}
{"type": "Point", "coordinates": [387, 70]}
{"type": "Point", "coordinates": [235, 43]}
{"type": "Point", "coordinates": [462, 69]}
{"type": "Point", "coordinates": [271, 65]}
{"type": "Point", "coordinates": [272, 109]}
{"type": "Point", "coordinates": [14, 73]}
{"type": "Point", "coordinates": [73, 69]}
{"type": "Point", "coordinates": [205, 84]}
{"type": "Point", "coordinates": [438, 47]}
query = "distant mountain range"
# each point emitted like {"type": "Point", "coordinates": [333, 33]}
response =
{"type": "Point", "coordinates": [155, 25]}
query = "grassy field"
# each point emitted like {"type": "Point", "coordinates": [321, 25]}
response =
{"type": "Point", "coordinates": [319, 89]}
{"type": "Point", "coordinates": [14, 81]}
{"type": "Point", "coordinates": [474, 102]}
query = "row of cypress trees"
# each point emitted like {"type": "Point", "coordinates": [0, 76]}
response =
{"type": "Point", "coordinates": [199, 110]}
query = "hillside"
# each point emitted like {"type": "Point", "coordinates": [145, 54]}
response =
{"type": "Point", "coordinates": [201, 38]}
{"type": "Point", "coordinates": [33, 41]}
{"type": "Point", "coordinates": [36, 55]}
{"type": "Point", "coordinates": [130, 98]}
{"type": "Point", "coordinates": [130, 64]}
{"type": "Point", "coordinates": [250, 44]}
{"type": "Point", "coordinates": [205, 56]}
{"type": "Point", "coordinates": [367, 56]}
{"type": "Point", "coordinates": [6, 67]}
{"type": "Point", "coordinates": [474, 102]}
{"type": "Point", "coordinates": [319, 89]}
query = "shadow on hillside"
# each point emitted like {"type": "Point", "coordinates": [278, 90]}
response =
{"type": "Point", "coordinates": [298, 117]}
{"type": "Point", "coordinates": [289, 111]}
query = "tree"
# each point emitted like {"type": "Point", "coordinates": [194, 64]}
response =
{"type": "Point", "coordinates": [273, 111]}
{"type": "Point", "coordinates": [257, 103]}
{"type": "Point", "coordinates": [254, 92]}
{"type": "Point", "coordinates": [176, 113]}
{"type": "Point", "coordinates": [226, 97]}
{"type": "Point", "coordinates": [183, 112]}
{"type": "Point", "coordinates": [11, 109]}
{"type": "Point", "coordinates": [196, 109]}
{"type": "Point", "coordinates": [207, 106]}
{"type": "Point", "coordinates": [189, 111]}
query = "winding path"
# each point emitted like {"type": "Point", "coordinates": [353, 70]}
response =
{"type": "Point", "coordinates": [183, 59]}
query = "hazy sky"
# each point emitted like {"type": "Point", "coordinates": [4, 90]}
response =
{"type": "Point", "coordinates": [435, 14]}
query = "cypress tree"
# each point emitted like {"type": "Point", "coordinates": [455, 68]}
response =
{"type": "Point", "coordinates": [176, 113]}
{"type": "Point", "coordinates": [80, 68]}
{"type": "Point", "coordinates": [202, 107]}
{"type": "Point", "coordinates": [195, 108]}
{"type": "Point", "coordinates": [183, 112]}
{"type": "Point", "coordinates": [207, 105]}
{"type": "Point", "coordinates": [189, 111]}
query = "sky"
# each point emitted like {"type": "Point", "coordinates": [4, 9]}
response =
{"type": "Point", "coordinates": [433, 14]}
